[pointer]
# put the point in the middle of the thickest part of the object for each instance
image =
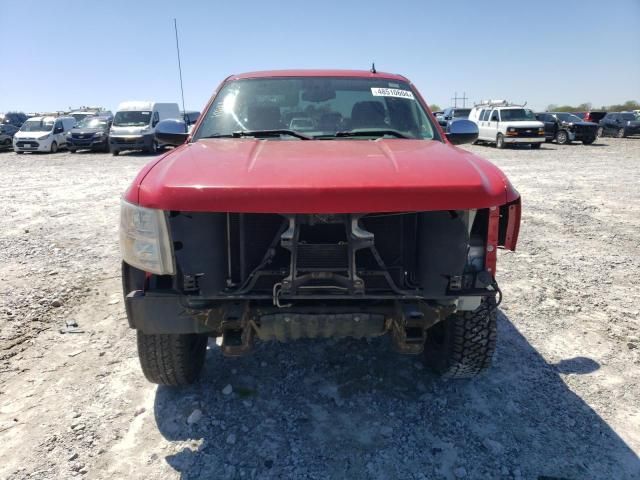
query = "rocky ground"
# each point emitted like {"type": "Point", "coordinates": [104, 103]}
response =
{"type": "Point", "coordinates": [561, 400]}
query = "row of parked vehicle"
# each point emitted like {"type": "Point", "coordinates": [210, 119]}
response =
{"type": "Point", "coordinates": [502, 124]}
{"type": "Point", "coordinates": [131, 128]}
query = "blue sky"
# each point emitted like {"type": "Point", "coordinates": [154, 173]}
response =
{"type": "Point", "coordinates": [65, 53]}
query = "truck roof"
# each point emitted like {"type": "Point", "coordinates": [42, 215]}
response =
{"type": "Point", "coordinates": [318, 73]}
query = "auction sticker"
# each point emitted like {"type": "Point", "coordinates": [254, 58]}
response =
{"type": "Point", "coordinates": [391, 92]}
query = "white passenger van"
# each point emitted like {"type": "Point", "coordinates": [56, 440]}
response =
{"type": "Point", "coordinates": [43, 134]}
{"type": "Point", "coordinates": [134, 125]}
{"type": "Point", "coordinates": [503, 123]}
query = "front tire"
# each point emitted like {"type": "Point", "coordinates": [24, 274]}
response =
{"type": "Point", "coordinates": [500, 141]}
{"type": "Point", "coordinates": [600, 132]}
{"type": "Point", "coordinates": [588, 141]}
{"type": "Point", "coordinates": [562, 137]}
{"type": "Point", "coordinates": [462, 345]}
{"type": "Point", "coordinates": [72, 150]}
{"type": "Point", "coordinates": [535, 146]}
{"type": "Point", "coordinates": [172, 359]}
{"type": "Point", "coordinates": [53, 148]}
{"type": "Point", "coordinates": [621, 133]}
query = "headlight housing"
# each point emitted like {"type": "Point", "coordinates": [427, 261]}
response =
{"type": "Point", "coordinates": [44, 137]}
{"type": "Point", "coordinates": [511, 129]}
{"type": "Point", "coordinates": [98, 133]}
{"type": "Point", "coordinates": [144, 239]}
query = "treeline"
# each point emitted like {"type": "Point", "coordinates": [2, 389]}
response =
{"type": "Point", "coordinates": [586, 107]}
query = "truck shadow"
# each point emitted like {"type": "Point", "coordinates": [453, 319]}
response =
{"type": "Point", "coordinates": [355, 409]}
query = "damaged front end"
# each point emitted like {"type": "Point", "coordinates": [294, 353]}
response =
{"type": "Point", "coordinates": [284, 277]}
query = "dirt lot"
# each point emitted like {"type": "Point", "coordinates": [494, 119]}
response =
{"type": "Point", "coordinates": [561, 400]}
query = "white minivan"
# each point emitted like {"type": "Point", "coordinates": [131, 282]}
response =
{"type": "Point", "coordinates": [43, 134]}
{"type": "Point", "coordinates": [134, 124]}
{"type": "Point", "coordinates": [503, 124]}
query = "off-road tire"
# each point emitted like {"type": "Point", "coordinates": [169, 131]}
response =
{"type": "Point", "coordinates": [620, 133]}
{"type": "Point", "coordinates": [600, 132]}
{"type": "Point", "coordinates": [499, 141]}
{"type": "Point", "coordinates": [562, 137]}
{"type": "Point", "coordinates": [53, 148]}
{"type": "Point", "coordinates": [462, 345]}
{"type": "Point", "coordinates": [174, 359]}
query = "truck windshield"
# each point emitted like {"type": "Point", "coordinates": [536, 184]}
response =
{"type": "Point", "coordinates": [322, 107]}
{"type": "Point", "coordinates": [568, 117]}
{"type": "Point", "coordinates": [461, 113]}
{"type": "Point", "coordinates": [92, 122]}
{"type": "Point", "coordinates": [516, 115]}
{"type": "Point", "coordinates": [132, 119]}
{"type": "Point", "coordinates": [37, 126]}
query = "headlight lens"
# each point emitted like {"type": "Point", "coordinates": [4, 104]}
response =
{"type": "Point", "coordinates": [511, 129]}
{"type": "Point", "coordinates": [98, 134]}
{"type": "Point", "coordinates": [144, 239]}
{"type": "Point", "coordinates": [44, 137]}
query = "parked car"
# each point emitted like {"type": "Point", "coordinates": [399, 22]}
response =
{"type": "Point", "coordinates": [92, 133]}
{"type": "Point", "coordinates": [452, 113]}
{"type": "Point", "coordinates": [619, 124]}
{"type": "Point", "coordinates": [594, 117]}
{"type": "Point", "coordinates": [134, 125]}
{"type": "Point", "coordinates": [13, 118]}
{"type": "Point", "coordinates": [505, 124]}
{"type": "Point", "coordinates": [7, 131]}
{"type": "Point", "coordinates": [86, 112]}
{"type": "Point", "coordinates": [252, 229]}
{"type": "Point", "coordinates": [190, 117]}
{"type": "Point", "coordinates": [566, 127]}
{"type": "Point", "coordinates": [43, 134]}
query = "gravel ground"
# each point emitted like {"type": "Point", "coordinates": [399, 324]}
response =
{"type": "Point", "coordinates": [561, 400]}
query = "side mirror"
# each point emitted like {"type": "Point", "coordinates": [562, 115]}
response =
{"type": "Point", "coordinates": [154, 123]}
{"type": "Point", "coordinates": [58, 130]}
{"type": "Point", "coordinates": [172, 132]}
{"type": "Point", "coordinates": [462, 131]}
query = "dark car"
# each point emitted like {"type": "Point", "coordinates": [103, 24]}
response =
{"type": "Point", "coordinates": [566, 127]}
{"type": "Point", "coordinates": [13, 118]}
{"type": "Point", "coordinates": [190, 118]}
{"type": "Point", "coordinates": [453, 113]}
{"type": "Point", "coordinates": [594, 117]}
{"type": "Point", "coordinates": [91, 133]}
{"type": "Point", "coordinates": [619, 124]}
{"type": "Point", "coordinates": [7, 132]}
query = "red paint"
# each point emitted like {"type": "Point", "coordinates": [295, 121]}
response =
{"type": "Point", "coordinates": [320, 176]}
{"type": "Point", "coordinates": [491, 255]}
{"type": "Point", "coordinates": [318, 73]}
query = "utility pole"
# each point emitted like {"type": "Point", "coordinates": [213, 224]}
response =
{"type": "Point", "coordinates": [455, 99]}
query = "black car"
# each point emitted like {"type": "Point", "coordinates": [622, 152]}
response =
{"type": "Point", "coordinates": [13, 118]}
{"type": "Point", "coordinates": [566, 127]}
{"type": "Point", "coordinates": [91, 133]}
{"type": "Point", "coordinates": [619, 124]}
{"type": "Point", "coordinates": [452, 113]}
{"type": "Point", "coordinates": [7, 131]}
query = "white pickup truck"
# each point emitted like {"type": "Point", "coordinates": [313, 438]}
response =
{"type": "Point", "coordinates": [503, 124]}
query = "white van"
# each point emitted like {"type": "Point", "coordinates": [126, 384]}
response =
{"type": "Point", "coordinates": [134, 125]}
{"type": "Point", "coordinates": [43, 134]}
{"type": "Point", "coordinates": [502, 123]}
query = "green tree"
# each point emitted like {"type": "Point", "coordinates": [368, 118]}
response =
{"type": "Point", "coordinates": [435, 108]}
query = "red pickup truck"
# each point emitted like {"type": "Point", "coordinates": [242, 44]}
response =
{"type": "Point", "coordinates": [314, 204]}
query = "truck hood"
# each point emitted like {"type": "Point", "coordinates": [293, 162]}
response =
{"type": "Point", "coordinates": [319, 176]}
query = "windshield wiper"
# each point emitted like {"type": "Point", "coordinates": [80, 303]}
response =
{"type": "Point", "coordinates": [261, 133]}
{"type": "Point", "coordinates": [371, 133]}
